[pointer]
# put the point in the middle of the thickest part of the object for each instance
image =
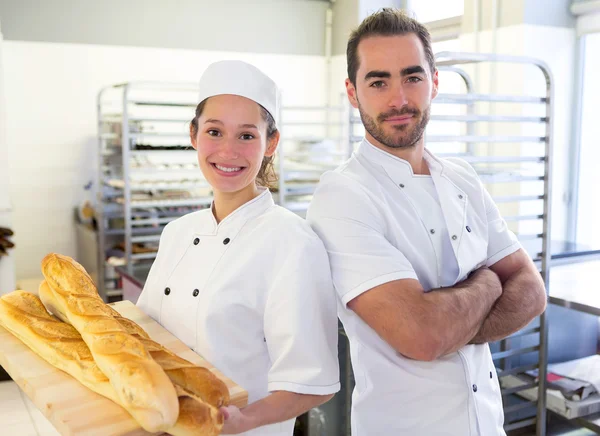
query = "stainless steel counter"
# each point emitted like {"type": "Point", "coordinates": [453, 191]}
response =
{"type": "Point", "coordinates": [576, 286]}
{"type": "Point", "coordinates": [133, 283]}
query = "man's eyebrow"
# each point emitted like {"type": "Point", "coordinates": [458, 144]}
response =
{"type": "Point", "coordinates": [412, 70]}
{"type": "Point", "coordinates": [378, 74]}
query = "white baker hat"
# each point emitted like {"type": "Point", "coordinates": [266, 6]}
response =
{"type": "Point", "coordinates": [240, 78]}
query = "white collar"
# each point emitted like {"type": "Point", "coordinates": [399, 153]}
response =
{"type": "Point", "coordinates": [207, 224]}
{"type": "Point", "coordinates": [399, 170]}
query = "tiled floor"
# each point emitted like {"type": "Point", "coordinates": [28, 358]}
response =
{"type": "Point", "coordinates": [18, 415]}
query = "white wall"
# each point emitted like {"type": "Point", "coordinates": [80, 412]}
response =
{"type": "Point", "coordinates": [7, 268]}
{"type": "Point", "coordinates": [256, 26]}
{"type": "Point", "coordinates": [345, 19]}
{"type": "Point", "coordinates": [588, 213]}
{"type": "Point", "coordinates": [556, 47]}
{"type": "Point", "coordinates": [51, 122]}
{"type": "Point", "coordinates": [4, 181]}
{"type": "Point", "coordinates": [426, 11]}
{"type": "Point", "coordinates": [368, 7]}
{"type": "Point", "coordinates": [337, 88]}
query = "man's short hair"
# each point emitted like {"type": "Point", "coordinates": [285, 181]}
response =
{"type": "Point", "coordinates": [386, 22]}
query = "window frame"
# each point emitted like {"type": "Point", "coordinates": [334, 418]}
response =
{"type": "Point", "coordinates": [588, 22]}
{"type": "Point", "coordinates": [440, 30]}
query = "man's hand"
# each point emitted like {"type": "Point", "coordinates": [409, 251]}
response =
{"type": "Point", "coordinates": [235, 421]}
{"type": "Point", "coordinates": [279, 406]}
{"type": "Point", "coordinates": [523, 298]}
{"type": "Point", "coordinates": [488, 279]}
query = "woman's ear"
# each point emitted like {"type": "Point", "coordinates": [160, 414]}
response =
{"type": "Point", "coordinates": [272, 143]}
{"type": "Point", "coordinates": [193, 137]}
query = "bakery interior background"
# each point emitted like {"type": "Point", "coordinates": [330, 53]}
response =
{"type": "Point", "coordinates": [57, 55]}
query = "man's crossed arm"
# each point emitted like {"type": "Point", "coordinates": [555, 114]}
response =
{"type": "Point", "coordinates": [491, 304]}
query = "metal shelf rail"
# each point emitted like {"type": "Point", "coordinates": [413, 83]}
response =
{"type": "Point", "coordinates": [522, 168]}
{"type": "Point", "coordinates": [147, 175]}
{"type": "Point", "coordinates": [516, 170]}
{"type": "Point", "coordinates": [312, 142]}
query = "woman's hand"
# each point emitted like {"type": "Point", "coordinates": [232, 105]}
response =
{"type": "Point", "coordinates": [276, 407]}
{"type": "Point", "coordinates": [235, 421]}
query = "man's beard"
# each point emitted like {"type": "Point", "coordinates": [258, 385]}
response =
{"type": "Point", "coordinates": [411, 135]}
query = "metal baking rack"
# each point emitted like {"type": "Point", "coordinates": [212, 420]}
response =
{"type": "Point", "coordinates": [147, 172]}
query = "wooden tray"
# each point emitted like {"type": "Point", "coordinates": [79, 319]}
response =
{"type": "Point", "coordinates": [72, 408]}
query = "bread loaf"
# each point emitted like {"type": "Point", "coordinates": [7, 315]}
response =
{"type": "Point", "coordinates": [141, 385]}
{"type": "Point", "coordinates": [197, 421]}
{"type": "Point", "coordinates": [24, 315]}
{"type": "Point", "coordinates": [192, 380]}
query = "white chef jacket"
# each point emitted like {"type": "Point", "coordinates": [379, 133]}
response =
{"type": "Point", "coordinates": [253, 295]}
{"type": "Point", "coordinates": [373, 217]}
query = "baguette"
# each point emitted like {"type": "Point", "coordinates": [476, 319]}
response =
{"type": "Point", "coordinates": [24, 315]}
{"type": "Point", "coordinates": [141, 385]}
{"type": "Point", "coordinates": [58, 343]}
{"type": "Point", "coordinates": [193, 380]}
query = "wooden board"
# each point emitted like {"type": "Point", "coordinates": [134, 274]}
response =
{"type": "Point", "coordinates": [72, 408]}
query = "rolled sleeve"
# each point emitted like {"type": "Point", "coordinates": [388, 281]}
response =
{"type": "Point", "coordinates": [361, 257]}
{"type": "Point", "coordinates": [300, 325]}
{"type": "Point", "coordinates": [501, 240]}
{"type": "Point", "coordinates": [370, 284]}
